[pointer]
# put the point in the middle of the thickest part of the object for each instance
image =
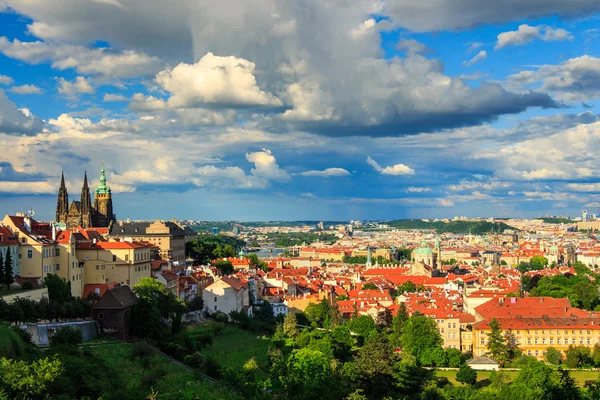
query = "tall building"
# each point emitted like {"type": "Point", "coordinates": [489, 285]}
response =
{"type": "Point", "coordinates": [81, 213]}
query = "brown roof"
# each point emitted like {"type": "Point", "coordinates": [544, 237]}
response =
{"type": "Point", "coordinates": [236, 284]}
{"type": "Point", "coordinates": [117, 298]}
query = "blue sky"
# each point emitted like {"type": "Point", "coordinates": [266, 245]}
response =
{"type": "Point", "coordinates": [265, 110]}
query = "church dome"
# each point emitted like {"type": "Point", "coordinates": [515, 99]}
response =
{"type": "Point", "coordinates": [424, 249]}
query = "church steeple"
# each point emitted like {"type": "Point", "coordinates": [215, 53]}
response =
{"type": "Point", "coordinates": [86, 202]}
{"type": "Point", "coordinates": [62, 205]}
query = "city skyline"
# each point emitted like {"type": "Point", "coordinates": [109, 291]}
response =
{"type": "Point", "coordinates": [366, 110]}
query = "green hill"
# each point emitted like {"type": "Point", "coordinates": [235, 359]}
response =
{"type": "Point", "coordinates": [475, 227]}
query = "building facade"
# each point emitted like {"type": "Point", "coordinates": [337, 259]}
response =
{"type": "Point", "coordinates": [83, 213]}
{"type": "Point", "coordinates": [167, 236]}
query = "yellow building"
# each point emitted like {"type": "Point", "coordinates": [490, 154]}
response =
{"type": "Point", "coordinates": [122, 262]}
{"type": "Point", "coordinates": [41, 254]}
{"type": "Point", "coordinates": [167, 236]}
{"type": "Point", "coordinates": [534, 335]}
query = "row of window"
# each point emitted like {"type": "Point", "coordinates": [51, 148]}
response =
{"type": "Point", "coordinates": [142, 268]}
{"type": "Point", "coordinates": [551, 341]}
{"type": "Point", "coordinates": [558, 332]}
{"type": "Point", "coordinates": [48, 253]}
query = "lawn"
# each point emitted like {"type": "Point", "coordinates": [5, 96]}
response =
{"type": "Point", "coordinates": [483, 376]}
{"type": "Point", "coordinates": [178, 383]}
{"type": "Point", "coordinates": [234, 346]}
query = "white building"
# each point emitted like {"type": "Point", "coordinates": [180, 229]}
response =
{"type": "Point", "coordinates": [226, 295]}
{"type": "Point", "coordinates": [279, 309]}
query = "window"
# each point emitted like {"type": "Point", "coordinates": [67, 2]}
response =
{"type": "Point", "coordinates": [551, 340]}
{"type": "Point", "coordinates": [29, 253]}
{"type": "Point", "coordinates": [482, 341]}
{"type": "Point", "coordinates": [97, 267]}
{"type": "Point", "coordinates": [215, 298]}
{"type": "Point", "coordinates": [589, 341]}
{"type": "Point", "coordinates": [57, 252]}
{"type": "Point", "coordinates": [114, 258]}
{"type": "Point", "coordinates": [100, 315]}
{"type": "Point", "coordinates": [126, 257]}
{"type": "Point", "coordinates": [557, 341]}
{"type": "Point", "coordinates": [537, 353]}
{"type": "Point", "coordinates": [215, 308]}
{"type": "Point", "coordinates": [57, 267]}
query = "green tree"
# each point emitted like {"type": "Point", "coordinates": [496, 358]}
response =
{"type": "Point", "coordinates": [467, 375]}
{"type": "Point", "coordinates": [369, 286]}
{"type": "Point", "coordinates": [309, 375]}
{"type": "Point", "coordinates": [225, 266]}
{"type": "Point", "coordinates": [496, 345]}
{"type": "Point", "coordinates": [407, 287]}
{"type": "Point", "coordinates": [290, 325]}
{"type": "Point", "coordinates": [27, 380]}
{"type": "Point", "coordinates": [409, 378]}
{"type": "Point", "coordinates": [375, 366]}
{"type": "Point", "coordinates": [578, 356]}
{"type": "Point", "coordinates": [397, 323]}
{"type": "Point", "coordinates": [1, 270]}
{"type": "Point", "coordinates": [59, 289]}
{"type": "Point", "coordinates": [455, 358]}
{"type": "Point", "coordinates": [67, 335]}
{"type": "Point", "coordinates": [553, 356]}
{"type": "Point", "coordinates": [362, 325]}
{"type": "Point", "coordinates": [7, 273]}
{"type": "Point", "coordinates": [420, 335]}
{"type": "Point", "coordinates": [144, 353]}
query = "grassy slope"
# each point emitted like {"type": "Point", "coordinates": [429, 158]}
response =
{"type": "Point", "coordinates": [6, 337]}
{"type": "Point", "coordinates": [176, 381]}
{"type": "Point", "coordinates": [234, 346]}
{"type": "Point", "coordinates": [482, 376]}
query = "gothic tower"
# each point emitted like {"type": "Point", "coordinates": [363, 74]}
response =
{"type": "Point", "coordinates": [62, 205]}
{"type": "Point", "coordinates": [86, 204]}
{"type": "Point", "coordinates": [103, 202]}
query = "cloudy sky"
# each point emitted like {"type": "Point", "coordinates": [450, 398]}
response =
{"type": "Point", "coordinates": [304, 109]}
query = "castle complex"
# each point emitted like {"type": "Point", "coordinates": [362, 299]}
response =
{"type": "Point", "coordinates": [81, 213]}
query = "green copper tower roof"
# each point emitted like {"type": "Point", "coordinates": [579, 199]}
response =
{"type": "Point", "coordinates": [103, 188]}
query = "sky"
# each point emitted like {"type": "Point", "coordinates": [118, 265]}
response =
{"type": "Point", "coordinates": [302, 110]}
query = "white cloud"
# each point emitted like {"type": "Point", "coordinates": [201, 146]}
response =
{"type": "Point", "coordinates": [227, 81]}
{"type": "Point", "coordinates": [326, 173]}
{"type": "Point", "coordinates": [364, 29]}
{"type": "Point", "coordinates": [27, 187]}
{"type": "Point", "coordinates": [482, 55]}
{"type": "Point", "coordinates": [17, 121]}
{"type": "Point", "coordinates": [411, 46]}
{"type": "Point", "coordinates": [413, 189]}
{"type": "Point", "coordinates": [73, 88]}
{"type": "Point", "coordinates": [114, 97]}
{"type": "Point", "coordinates": [103, 63]}
{"type": "Point", "coordinates": [576, 79]}
{"type": "Point", "coordinates": [526, 33]}
{"type": "Point", "coordinates": [398, 169]}
{"type": "Point", "coordinates": [26, 89]}
{"type": "Point", "coordinates": [265, 166]}
{"type": "Point", "coordinates": [584, 187]}
{"type": "Point", "coordinates": [5, 80]}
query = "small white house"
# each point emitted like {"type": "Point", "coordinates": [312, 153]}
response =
{"type": "Point", "coordinates": [279, 309]}
{"type": "Point", "coordinates": [483, 364]}
{"type": "Point", "coordinates": [226, 295]}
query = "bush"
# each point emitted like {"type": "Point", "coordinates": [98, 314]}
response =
{"type": "Point", "coordinates": [467, 375]}
{"type": "Point", "coordinates": [68, 335]}
{"type": "Point", "coordinates": [196, 360]}
{"type": "Point", "coordinates": [553, 356]}
{"type": "Point", "coordinates": [221, 317]}
{"type": "Point", "coordinates": [27, 285]}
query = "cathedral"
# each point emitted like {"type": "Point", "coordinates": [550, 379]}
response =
{"type": "Point", "coordinates": [81, 213]}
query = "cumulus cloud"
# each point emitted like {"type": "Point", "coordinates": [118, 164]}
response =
{"type": "Point", "coordinates": [398, 169]}
{"type": "Point", "coordinates": [265, 166]}
{"type": "Point", "coordinates": [103, 63]}
{"type": "Point", "coordinates": [5, 80]}
{"type": "Point", "coordinates": [17, 121]}
{"type": "Point", "coordinates": [227, 81]}
{"type": "Point", "coordinates": [576, 79]}
{"type": "Point", "coordinates": [434, 15]}
{"type": "Point", "coordinates": [26, 89]}
{"type": "Point", "coordinates": [414, 189]}
{"type": "Point", "coordinates": [526, 33]}
{"type": "Point", "coordinates": [482, 55]}
{"type": "Point", "coordinates": [411, 46]}
{"type": "Point", "coordinates": [71, 89]}
{"type": "Point", "coordinates": [113, 97]}
{"type": "Point", "coordinates": [326, 173]}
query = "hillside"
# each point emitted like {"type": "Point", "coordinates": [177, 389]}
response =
{"type": "Point", "coordinates": [475, 227]}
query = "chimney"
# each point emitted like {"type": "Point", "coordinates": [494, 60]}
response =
{"type": "Point", "coordinates": [27, 223]}
{"type": "Point", "coordinates": [53, 232]}
{"type": "Point", "coordinates": [120, 223]}
{"type": "Point", "coordinates": [128, 220]}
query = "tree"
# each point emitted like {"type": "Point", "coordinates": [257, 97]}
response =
{"type": "Point", "coordinates": [375, 366]}
{"type": "Point", "coordinates": [7, 274]}
{"type": "Point", "coordinates": [362, 326]}
{"type": "Point", "coordinates": [27, 380]}
{"type": "Point", "coordinates": [409, 377]}
{"type": "Point", "coordinates": [467, 375]}
{"type": "Point", "coordinates": [59, 289]}
{"type": "Point", "coordinates": [420, 335]}
{"type": "Point", "coordinates": [309, 375]}
{"type": "Point", "coordinates": [407, 287]}
{"type": "Point", "coordinates": [290, 325]}
{"type": "Point", "coordinates": [455, 358]}
{"type": "Point", "coordinates": [578, 356]}
{"type": "Point", "coordinates": [369, 286]}
{"type": "Point", "coordinates": [496, 345]}
{"type": "Point", "coordinates": [2, 270]}
{"type": "Point", "coordinates": [263, 312]}
{"type": "Point", "coordinates": [225, 266]}
{"type": "Point", "coordinates": [397, 323]}
{"type": "Point", "coordinates": [553, 356]}
{"type": "Point", "coordinates": [67, 335]}
{"type": "Point", "coordinates": [143, 352]}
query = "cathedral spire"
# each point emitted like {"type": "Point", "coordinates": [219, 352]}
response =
{"type": "Point", "coordinates": [62, 180]}
{"type": "Point", "coordinates": [85, 182]}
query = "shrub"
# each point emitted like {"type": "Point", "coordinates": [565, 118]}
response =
{"type": "Point", "coordinates": [553, 356]}
{"type": "Point", "coordinates": [467, 375]}
{"type": "Point", "coordinates": [68, 335]}
{"type": "Point", "coordinates": [221, 317]}
{"type": "Point", "coordinates": [27, 285]}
